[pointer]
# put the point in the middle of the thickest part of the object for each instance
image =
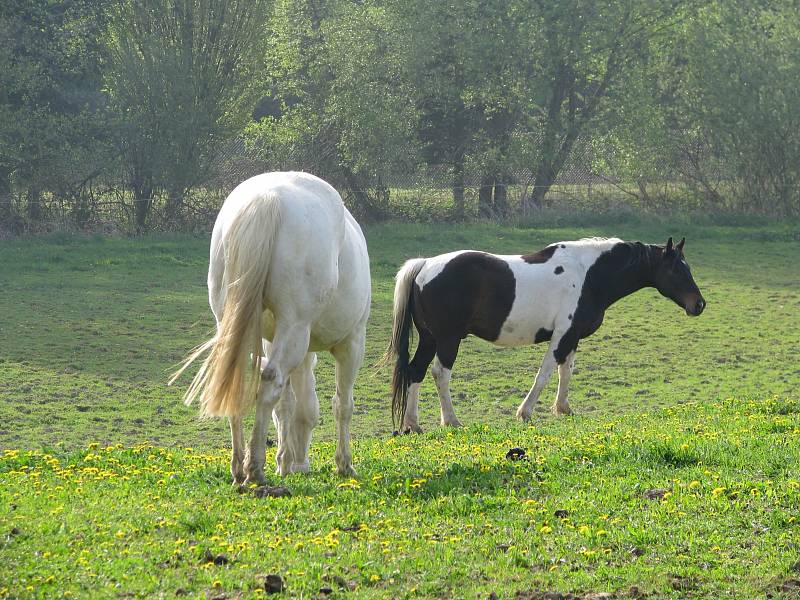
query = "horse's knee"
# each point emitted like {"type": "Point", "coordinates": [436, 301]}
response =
{"type": "Point", "coordinates": [269, 373]}
{"type": "Point", "coordinates": [307, 419]}
{"type": "Point", "coordinates": [343, 406]}
{"type": "Point", "coordinates": [436, 370]}
{"type": "Point", "coordinates": [272, 384]}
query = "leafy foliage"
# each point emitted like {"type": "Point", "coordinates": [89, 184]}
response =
{"type": "Point", "coordinates": [136, 100]}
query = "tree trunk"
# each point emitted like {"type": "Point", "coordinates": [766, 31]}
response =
{"type": "Point", "coordinates": [551, 165]}
{"type": "Point", "coordinates": [458, 187]}
{"type": "Point", "coordinates": [35, 203]}
{"type": "Point", "coordinates": [356, 188]}
{"type": "Point", "coordinates": [541, 184]}
{"type": "Point", "coordinates": [142, 201]}
{"type": "Point", "coordinates": [500, 196]}
{"type": "Point", "coordinates": [5, 199]}
{"type": "Point", "coordinates": [485, 205]}
{"type": "Point", "coordinates": [174, 208]}
{"type": "Point", "coordinates": [545, 171]}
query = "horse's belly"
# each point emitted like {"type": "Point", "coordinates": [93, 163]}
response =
{"type": "Point", "coordinates": [525, 329]}
{"type": "Point", "coordinates": [512, 336]}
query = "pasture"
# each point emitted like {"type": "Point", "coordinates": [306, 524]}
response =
{"type": "Point", "coordinates": [677, 476]}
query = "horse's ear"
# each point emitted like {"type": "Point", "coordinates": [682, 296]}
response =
{"type": "Point", "coordinates": [668, 249]}
{"type": "Point", "coordinates": [679, 246]}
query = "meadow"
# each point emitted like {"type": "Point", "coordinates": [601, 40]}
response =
{"type": "Point", "coordinates": [676, 477]}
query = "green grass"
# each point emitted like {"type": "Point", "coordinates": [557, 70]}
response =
{"type": "Point", "coordinates": [90, 328]}
{"type": "Point", "coordinates": [439, 515]}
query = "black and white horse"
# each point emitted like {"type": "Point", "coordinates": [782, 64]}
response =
{"type": "Point", "coordinates": [559, 294]}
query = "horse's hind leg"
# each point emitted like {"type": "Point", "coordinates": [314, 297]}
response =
{"type": "Point", "coordinates": [426, 350]}
{"type": "Point", "coordinates": [441, 370]}
{"type": "Point", "coordinates": [287, 351]}
{"type": "Point", "coordinates": [237, 449]}
{"type": "Point", "coordinates": [348, 355]}
{"type": "Point", "coordinates": [561, 406]}
{"type": "Point", "coordinates": [306, 413]}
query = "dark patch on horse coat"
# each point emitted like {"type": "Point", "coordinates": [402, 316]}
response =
{"type": "Point", "coordinates": [542, 256]}
{"type": "Point", "coordinates": [620, 271]}
{"type": "Point", "coordinates": [559, 270]}
{"type": "Point", "coordinates": [543, 335]}
{"type": "Point", "coordinates": [473, 293]}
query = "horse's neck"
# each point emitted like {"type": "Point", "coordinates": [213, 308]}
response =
{"type": "Point", "coordinates": [627, 273]}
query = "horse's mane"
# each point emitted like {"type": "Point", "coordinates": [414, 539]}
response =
{"type": "Point", "coordinates": [641, 254]}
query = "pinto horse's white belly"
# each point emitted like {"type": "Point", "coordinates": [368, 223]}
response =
{"type": "Point", "coordinates": [543, 299]}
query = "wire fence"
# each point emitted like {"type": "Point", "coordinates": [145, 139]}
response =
{"type": "Point", "coordinates": [425, 192]}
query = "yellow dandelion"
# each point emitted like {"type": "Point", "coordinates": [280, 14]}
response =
{"type": "Point", "coordinates": [546, 529]}
{"type": "Point", "coordinates": [717, 491]}
{"type": "Point", "coordinates": [694, 484]}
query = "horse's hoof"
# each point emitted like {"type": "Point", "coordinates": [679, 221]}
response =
{"type": "Point", "coordinates": [452, 423]}
{"type": "Point", "coordinates": [283, 470]}
{"type": "Point", "coordinates": [412, 428]}
{"type": "Point", "coordinates": [524, 415]}
{"type": "Point", "coordinates": [346, 471]}
{"type": "Point", "coordinates": [255, 475]}
{"type": "Point", "coordinates": [562, 410]}
{"type": "Point", "coordinates": [255, 479]}
{"type": "Point", "coordinates": [303, 467]}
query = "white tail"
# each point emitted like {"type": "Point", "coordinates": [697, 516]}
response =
{"type": "Point", "coordinates": [402, 292]}
{"type": "Point", "coordinates": [227, 381]}
{"type": "Point", "coordinates": [401, 336]}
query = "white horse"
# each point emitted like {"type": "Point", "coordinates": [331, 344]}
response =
{"type": "Point", "coordinates": [288, 264]}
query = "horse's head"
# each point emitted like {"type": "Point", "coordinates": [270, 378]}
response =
{"type": "Point", "coordinates": [673, 279]}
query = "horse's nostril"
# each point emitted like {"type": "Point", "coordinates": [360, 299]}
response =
{"type": "Point", "coordinates": [701, 304]}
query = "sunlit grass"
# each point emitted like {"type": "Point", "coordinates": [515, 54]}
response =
{"type": "Point", "coordinates": [428, 515]}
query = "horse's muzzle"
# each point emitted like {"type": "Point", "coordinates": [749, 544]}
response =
{"type": "Point", "coordinates": [694, 309]}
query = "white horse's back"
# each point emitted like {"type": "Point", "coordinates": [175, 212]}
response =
{"type": "Point", "coordinates": [319, 267]}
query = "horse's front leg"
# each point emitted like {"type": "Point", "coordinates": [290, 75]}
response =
{"type": "Point", "coordinates": [286, 352]}
{"type": "Point", "coordinates": [525, 409]}
{"type": "Point", "coordinates": [561, 406]}
{"type": "Point", "coordinates": [306, 412]}
{"type": "Point", "coordinates": [268, 396]}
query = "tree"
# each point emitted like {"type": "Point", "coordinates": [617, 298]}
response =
{"type": "Point", "coordinates": [337, 72]}
{"type": "Point", "coordinates": [466, 66]}
{"type": "Point", "coordinates": [579, 50]}
{"type": "Point", "coordinates": [179, 82]}
{"type": "Point", "coordinates": [741, 84]}
{"type": "Point", "coordinates": [51, 107]}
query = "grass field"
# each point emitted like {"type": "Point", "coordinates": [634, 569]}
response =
{"type": "Point", "coordinates": [110, 486]}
